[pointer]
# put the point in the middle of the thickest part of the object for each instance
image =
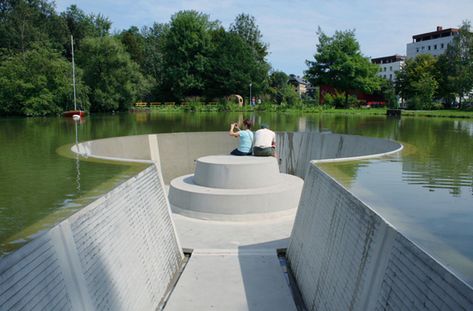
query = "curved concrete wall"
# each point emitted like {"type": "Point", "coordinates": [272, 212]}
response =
{"type": "Point", "coordinates": [346, 257]}
{"type": "Point", "coordinates": [118, 253]}
{"type": "Point", "coordinates": [177, 152]}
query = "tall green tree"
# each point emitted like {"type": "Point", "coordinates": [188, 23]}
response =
{"type": "Point", "coordinates": [245, 26]}
{"type": "Point", "coordinates": [38, 82]}
{"type": "Point", "coordinates": [153, 58]}
{"type": "Point", "coordinates": [416, 81]}
{"type": "Point", "coordinates": [115, 81]}
{"type": "Point", "coordinates": [134, 43]}
{"type": "Point", "coordinates": [232, 66]}
{"type": "Point", "coordinates": [338, 62]}
{"type": "Point", "coordinates": [26, 23]}
{"type": "Point", "coordinates": [455, 66]}
{"type": "Point", "coordinates": [187, 46]}
{"type": "Point", "coordinates": [81, 25]}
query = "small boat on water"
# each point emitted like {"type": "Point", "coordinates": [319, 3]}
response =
{"type": "Point", "coordinates": [75, 112]}
{"type": "Point", "coordinates": [72, 113]}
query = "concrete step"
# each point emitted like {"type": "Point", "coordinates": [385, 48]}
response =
{"type": "Point", "coordinates": [234, 172]}
{"type": "Point", "coordinates": [192, 200]}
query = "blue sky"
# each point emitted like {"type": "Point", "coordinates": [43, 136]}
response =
{"type": "Point", "coordinates": [383, 27]}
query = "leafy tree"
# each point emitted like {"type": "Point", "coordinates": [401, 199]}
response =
{"type": "Point", "coordinates": [186, 54]}
{"type": "Point", "coordinates": [278, 86]}
{"type": "Point", "coordinates": [114, 80]}
{"type": "Point", "coordinates": [232, 66]}
{"type": "Point", "coordinates": [134, 41]}
{"type": "Point", "coordinates": [38, 82]}
{"type": "Point", "coordinates": [245, 26]}
{"type": "Point", "coordinates": [278, 79]}
{"type": "Point", "coordinates": [416, 81]}
{"type": "Point", "coordinates": [26, 23]}
{"type": "Point", "coordinates": [340, 64]}
{"type": "Point", "coordinates": [455, 66]}
{"type": "Point", "coordinates": [388, 92]}
{"type": "Point", "coordinates": [153, 58]}
{"type": "Point", "coordinates": [81, 25]}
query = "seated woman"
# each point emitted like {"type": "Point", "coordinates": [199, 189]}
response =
{"type": "Point", "coordinates": [246, 138]}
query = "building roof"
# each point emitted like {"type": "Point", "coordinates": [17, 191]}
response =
{"type": "Point", "coordinates": [388, 59]}
{"type": "Point", "coordinates": [439, 33]}
{"type": "Point", "coordinates": [297, 79]}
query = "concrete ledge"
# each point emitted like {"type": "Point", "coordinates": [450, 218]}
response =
{"type": "Point", "coordinates": [234, 204]}
{"type": "Point", "coordinates": [234, 172]}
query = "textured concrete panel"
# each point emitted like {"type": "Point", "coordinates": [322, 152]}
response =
{"type": "Point", "coordinates": [118, 253]}
{"type": "Point", "coordinates": [345, 257]}
{"type": "Point", "coordinates": [296, 150]}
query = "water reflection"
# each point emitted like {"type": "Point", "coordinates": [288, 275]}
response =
{"type": "Point", "coordinates": [76, 124]}
{"type": "Point", "coordinates": [426, 191]}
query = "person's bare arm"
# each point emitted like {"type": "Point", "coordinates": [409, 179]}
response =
{"type": "Point", "coordinates": [233, 127]}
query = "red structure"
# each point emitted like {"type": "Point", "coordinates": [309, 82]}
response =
{"type": "Point", "coordinates": [372, 100]}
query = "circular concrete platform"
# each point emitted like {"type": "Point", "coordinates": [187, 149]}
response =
{"type": "Point", "coordinates": [233, 172]}
{"type": "Point", "coordinates": [235, 188]}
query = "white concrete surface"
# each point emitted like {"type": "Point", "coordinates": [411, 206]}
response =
{"type": "Point", "coordinates": [270, 195]}
{"type": "Point", "coordinates": [203, 234]}
{"type": "Point", "coordinates": [346, 257]}
{"type": "Point", "coordinates": [178, 152]}
{"type": "Point", "coordinates": [232, 280]}
{"type": "Point", "coordinates": [235, 172]}
{"type": "Point", "coordinates": [118, 253]}
{"type": "Point", "coordinates": [121, 252]}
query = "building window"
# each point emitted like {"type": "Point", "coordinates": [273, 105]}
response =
{"type": "Point", "coordinates": [441, 46]}
{"type": "Point", "coordinates": [435, 46]}
{"type": "Point", "coordinates": [390, 68]}
{"type": "Point", "coordinates": [429, 47]}
{"type": "Point", "coordinates": [417, 50]}
{"type": "Point", "coordinates": [384, 68]}
{"type": "Point", "coordinates": [391, 77]}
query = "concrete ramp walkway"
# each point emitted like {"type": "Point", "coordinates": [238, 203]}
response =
{"type": "Point", "coordinates": [234, 264]}
{"type": "Point", "coordinates": [232, 280]}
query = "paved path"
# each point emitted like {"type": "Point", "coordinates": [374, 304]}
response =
{"type": "Point", "coordinates": [234, 265]}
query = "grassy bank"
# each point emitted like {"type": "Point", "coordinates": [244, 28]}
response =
{"type": "Point", "coordinates": [266, 107]}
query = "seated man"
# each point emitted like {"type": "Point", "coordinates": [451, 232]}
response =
{"type": "Point", "coordinates": [265, 142]}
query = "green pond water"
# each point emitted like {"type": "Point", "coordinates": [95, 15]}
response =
{"type": "Point", "coordinates": [426, 191]}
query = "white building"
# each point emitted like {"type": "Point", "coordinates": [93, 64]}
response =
{"type": "Point", "coordinates": [389, 65]}
{"type": "Point", "coordinates": [434, 43]}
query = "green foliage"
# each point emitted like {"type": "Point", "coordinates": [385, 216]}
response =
{"type": "Point", "coordinates": [114, 80]}
{"type": "Point", "coordinates": [232, 66]}
{"type": "Point", "coordinates": [245, 26]}
{"type": "Point", "coordinates": [416, 81]}
{"type": "Point", "coordinates": [340, 64]}
{"type": "Point", "coordinates": [187, 47]}
{"type": "Point", "coordinates": [134, 43]}
{"type": "Point", "coordinates": [153, 59]}
{"type": "Point", "coordinates": [38, 82]}
{"type": "Point", "coordinates": [81, 25]}
{"type": "Point", "coordinates": [389, 94]}
{"type": "Point", "coordinates": [455, 66]}
{"type": "Point", "coordinates": [26, 23]}
{"type": "Point", "coordinates": [340, 100]}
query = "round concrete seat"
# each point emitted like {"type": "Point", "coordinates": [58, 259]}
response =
{"type": "Point", "coordinates": [234, 172]}
{"type": "Point", "coordinates": [197, 201]}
